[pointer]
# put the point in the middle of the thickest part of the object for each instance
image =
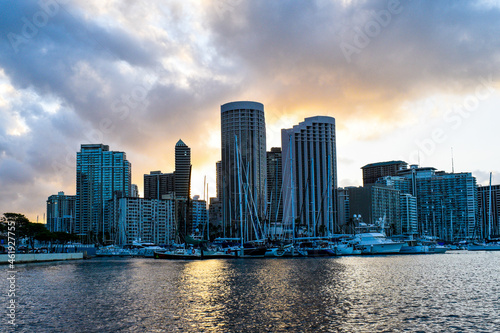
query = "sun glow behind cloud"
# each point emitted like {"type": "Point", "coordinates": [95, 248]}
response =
{"type": "Point", "coordinates": [139, 76]}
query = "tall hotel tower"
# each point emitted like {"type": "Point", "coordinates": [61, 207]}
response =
{"type": "Point", "coordinates": [100, 174]}
{"type": "Point", "coordinates": [243, 167]}
{"type": "Point", "coordinates": [182, 170]}
{"type": "Point", "coordinates": [310, 176]}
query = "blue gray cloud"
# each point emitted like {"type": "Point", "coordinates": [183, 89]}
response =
{"type": "Point", "coordinates": [140, 75]}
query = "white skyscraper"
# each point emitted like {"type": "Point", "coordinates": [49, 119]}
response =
{"type": "Point", "coordinates": [309, 162]}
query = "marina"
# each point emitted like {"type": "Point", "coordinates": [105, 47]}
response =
{"type": "Point", "coordinates": [438, 293]}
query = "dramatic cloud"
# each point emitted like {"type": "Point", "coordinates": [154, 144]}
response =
{"type": "Point", "coordinates": [403, 79]}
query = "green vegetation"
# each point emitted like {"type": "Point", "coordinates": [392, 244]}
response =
{"type": "Point", "coordinates": [24, 229]}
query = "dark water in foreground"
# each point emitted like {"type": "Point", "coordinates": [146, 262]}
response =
{"type": "Point", "coordinates": [452, 292]}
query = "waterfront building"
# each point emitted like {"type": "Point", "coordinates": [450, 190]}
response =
{"type": "Point", "coordinates": [147, 220]}
{"type": "Point", "coordinates": [374, 171]}
{"type": "Point", "coordinates": [274, 185]}
{"type": "Point", "coordinates": [375, 203]}
{"type": "Point", "coordinates": [487, 229]}
{"type": "Point", "coordinates": [408, 224]}
{"type": "Point", "coordinates": [243, 168]}
{"type": "Point", "coordinates": [402, 184]}
{"type": "Point", "coordinates": [343, 211]}
{"type": "Point", "coordinates": [61, 213]}
{"type": "Point", "coordinates": [447, 205]}
{"type": "Point", "coordinates": [215, 211]}
{"type": "Point", "coordinates": [100, 174]}
{"type": "Point", "coordinates": [310, 175]}
{"type": "Point", "coordinates": [199, 217]}
{"type": "Point", "coordinates": [182, 174]}
{"type": "Point", "coordinates": [157, 184]}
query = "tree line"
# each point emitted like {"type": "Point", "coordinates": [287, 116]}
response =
{"type": "Point", "coordinates": [24, 229]}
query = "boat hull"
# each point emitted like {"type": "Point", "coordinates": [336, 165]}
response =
{"type": "Point", "coordinates": [383, 248]}
{"type": "Point", "coordinates": [475, 247]}
{"type": "Point", "coordinates": [319, 252]}
{"type": "Point", "coordinates": [418, 249]}
{"type": "Point", "coordinates": [178, 256]}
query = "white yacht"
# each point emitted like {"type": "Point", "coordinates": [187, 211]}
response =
{"type": "Point", "coordinates": [372, 240]}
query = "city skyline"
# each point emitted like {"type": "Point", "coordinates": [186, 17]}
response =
{"type": "Point", "coordinates": [399, 89]}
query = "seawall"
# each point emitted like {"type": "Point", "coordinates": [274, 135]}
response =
{"type": "Point", "coordinates": [40, 257]}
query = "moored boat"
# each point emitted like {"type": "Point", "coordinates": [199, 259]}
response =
{"type": "Point", "coordinates": [373, 240]}
{"type": "Point", "coordinates": [181, 254]}
{"type": "Point", "coordinates": [483, 247]}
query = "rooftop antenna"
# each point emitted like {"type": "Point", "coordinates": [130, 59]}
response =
{"type": "Point", "coordinates": [452, 164]}
{"type": "Point", "coordinates": [418, 157]}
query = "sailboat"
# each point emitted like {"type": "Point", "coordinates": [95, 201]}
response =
{"type": "Point", "coordinates": [486, 246]}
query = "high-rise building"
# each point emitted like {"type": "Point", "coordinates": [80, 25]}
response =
{"type": "Point", "coordinates": [375, 203]}
{"type": "Point", "coordinates": [134, 193]}
{"type": "Point", "coordinates": [147, 220]}
{"type": "Point", "coordinates": [100, 175]}
{"type": "Point", "coordinates": [310, 175]}
{"type": "Point", "coordinates": [218, 179]}
{"type": "Point", "coordinates": [374, 171]}
{"type": "Point", "coordinates": [199, 217]}
{"type": "Point", "coordinates": [489, 211]}
{"type": "Point", "coordinates": [344, 217]}
{"type": "Point", "coordinates": [274, 184]}
{"type": "Point", "coordinates": [243, 164]}
{"type": "Point", "coordinates": [182, 170]}
{"type": "Point", "coordinates": [408, 224]}
{"type": "Point", "coordinates": [158, 184]}
{"type": "Point", "coordinates": [447, 203]}
{"type": "Point", "coordinates": [215, 214]}
{"type": "Point", "coordinates": [61, 213]}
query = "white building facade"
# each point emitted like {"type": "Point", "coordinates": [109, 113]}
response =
{"type": "Point", "coordinates": [147, 220]}
{"type": "Point", "coordinates": [309, 162]}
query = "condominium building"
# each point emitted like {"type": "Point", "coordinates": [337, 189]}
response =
{"type": "Point", "coordinates": [447, 203]}
{"type": "Point", "coordinates": [243, 168]}
{"type": "Point", "coordinates": [158, 184]}
{"type": "Point", "coordinates": [408, 223]}
{"type": "Point", "coordinates": [376, 203]}
{"type": "Point", "coordinates": [100, 174]}
{"type": "Point", "coordinates": [310, 175]}
{"type": "Point", "coordinates": [218, 179]}
{"type": "Point", "coordinates": [215, 212]}
{"type": "Point", "coordinates": [134, 193]}
{"type": "Point", "coordinates": [199, 216]}
{"type": "Point", "coordinates": [61, 213]}
{"type": "Point", "coordinates": [274, 185]}
{"type": "Point", "coordinates": [489, 211]}
{"type": "Point", "coordinates": [147, 220]}
{"type": "Point", "coordinates": [374, 171]}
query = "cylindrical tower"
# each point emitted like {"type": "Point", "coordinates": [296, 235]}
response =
{"type": "Point", "coordinates": [243, 122]}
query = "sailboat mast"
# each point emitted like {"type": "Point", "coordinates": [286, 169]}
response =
{"type": "Point", "coordinates": [313, 194]}
{"type": "Point", "coordinates": [239, 188]}
{"type": "Point", "coordinates": [208, 215]}
{"type": "Point", "coordinates": [291, 189]}
{"type": "Point", "coordinates": [328, 198]}
{"type": "Point", "coordinates": [489, 212]}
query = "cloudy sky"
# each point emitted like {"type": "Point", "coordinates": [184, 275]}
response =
{"type": "Point", "coordinates": [404, 80]}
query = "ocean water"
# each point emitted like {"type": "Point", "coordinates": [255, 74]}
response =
{"type": "Point", "coordinates": [453, 292]}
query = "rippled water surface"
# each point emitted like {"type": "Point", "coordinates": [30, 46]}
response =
{"type": "Point", "coordinates": [452, 292]}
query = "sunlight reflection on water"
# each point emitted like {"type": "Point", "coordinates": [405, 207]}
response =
{"type": "Point", "coordinates": [456, 291]}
